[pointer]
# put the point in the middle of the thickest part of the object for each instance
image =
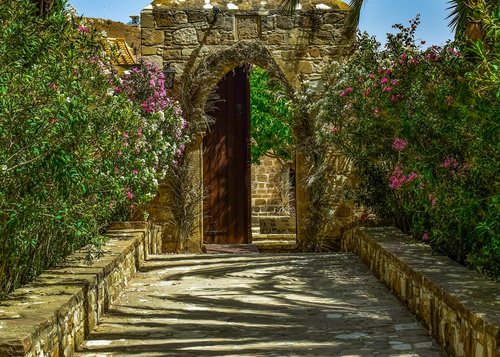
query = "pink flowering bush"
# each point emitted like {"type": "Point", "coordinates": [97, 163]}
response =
{"type": "Point", "coordinates": [77, 147]}
{"type": "Point", "coordinates": [423, 145]}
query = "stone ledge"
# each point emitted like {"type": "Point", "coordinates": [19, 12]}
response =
{"type": "Point", "coordinates": [52, 315]}
{"type": "Point", "coordinates": [459, 307]}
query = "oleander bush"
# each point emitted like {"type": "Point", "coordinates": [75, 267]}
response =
{"type": "Point", "coordinates": [78, 145]}
{"type": "Point", "coordinates": [423, 139]}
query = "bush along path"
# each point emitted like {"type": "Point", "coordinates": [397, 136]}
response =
{"type": "Point", "coordinates": [78, 145]}
{"type": "Point", "coordinates": [423, 138]}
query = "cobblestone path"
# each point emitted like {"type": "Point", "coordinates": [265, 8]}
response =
{"type": "Point", "coordinates": [258, 305]}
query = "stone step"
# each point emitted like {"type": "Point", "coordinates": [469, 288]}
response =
{"type": "Point", "coordinates": [274, 237]}
{"type": "Point", "coordinates": [275, 246]}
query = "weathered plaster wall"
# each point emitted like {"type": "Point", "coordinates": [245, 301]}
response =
{"type": "Point", "coordinates": [459, 307]}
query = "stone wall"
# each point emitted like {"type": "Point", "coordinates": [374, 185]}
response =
{"type": "Point", "coordinates": [52, 315]}
{"type": "Point", "coordinates": [459, 307]}
{"type": "Point", "coordinates": [303, 44]}
{"type": "Point", "coordinates": [269, 192]}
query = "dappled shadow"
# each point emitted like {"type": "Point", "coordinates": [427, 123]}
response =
{"type": "Point", "coordinates": [321, 305]}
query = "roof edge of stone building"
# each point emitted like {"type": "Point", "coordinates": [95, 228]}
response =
{"type": "Point", "coordinates": [245, 5]}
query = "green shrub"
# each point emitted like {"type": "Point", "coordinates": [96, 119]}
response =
{"type": "Point", "coordinates": [75, 151]}
{"type": "Point", "coordinates": [270, 121]}
{"type": "Point", "coordinates": [423, 145]}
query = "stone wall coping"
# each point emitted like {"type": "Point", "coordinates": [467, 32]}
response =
{"type": "Point", "coordinates": [467, 292]}
{"type": "Point", "coordinates": [245, 12]}
{"type": "Point", "coordinates": [39, 305]}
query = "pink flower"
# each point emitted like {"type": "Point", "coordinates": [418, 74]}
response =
{"type": "Point", "coordinates": [412, 176]}
{"type": "Point", "coordinates": [119, 153]}
{"type": "Point", "coordinates": [425, 236]}
{"type": "Point", "coordinates": [125, 143]}
{"type": "Point", "coordinates": [384, 80]}
{"type": "Point", "coordinates": [403, 57]}
{"type": "Point", "coordinates": [349, 89]}
{"type": "Point", "coordinates": [139, 132]}
{"type": "Point", "coordinates": [335, 130]}
{"type": "Point", "coordinates": [450, 162]}
{"type": "Point", "coordinates": [53, 86]}
{"type": "Point", "coordinates": [83, 29]}
{"type": "Point", "coordinates": [342, 94]}
{"type": "Point", "coordinates": [387, 89]}
{"type": "Point", "coordinates": [433, 199]}
{"type": "Point", "coordinates": [118, 89]}
{"type": "Point", "coordinates": [125, 135]}
{"type": "Point", "coordinates": [397, 179]}
{"type": "Point", "coordinates": [371, 76]}
{"type": "Point", "coordinates": [399, 144]}
{"type": "Point", "coordinates": [135, 172]}
{"type": "Point", "coordinates": [395, 81]}
{"type": "Point", "coordinates": [129, 193]}
{"type": "Point", "coordinates": [110, 205]}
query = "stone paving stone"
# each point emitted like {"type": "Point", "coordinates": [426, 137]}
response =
{"type": "Point", "coordinates": [258, 305]}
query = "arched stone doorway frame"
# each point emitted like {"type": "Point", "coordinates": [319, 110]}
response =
{"type": "Point", "coordinates": [197, 85]}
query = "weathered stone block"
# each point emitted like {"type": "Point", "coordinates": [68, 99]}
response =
{"type": "Point", "coordinates": [305, 67]}
{"type": "Point", "coordinates": [147, 19]}
{"type": "Point", "coordinates": [169, 55]}
{"type": "Point", "coordinates": [209, 37]}
{"type": "Point", "coordinates": [275, 39]}
{"type": "Point", "coordinates": [314, 52]}
{"type": "Point", "coordinates": [186, 52]}
{"type": "Point", "coordinates": [196, 16]}
{"type": "Point", "coordinates": [165, 18]}
{"type": "Point", "coordinates": [284, 22]}
{"type": "Point", "coordinates": [185, 36]}
{"type": "Point", "coordinates": [155, 59]}
{"type": "Point", "coordinates": [151, 37]}
{"type": "Point", "coordinates": [148, 50]}
{"type": "Point", "coordinates": [333, 18]}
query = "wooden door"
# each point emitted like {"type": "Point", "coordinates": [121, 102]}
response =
{"type": "Point", "coordinates": [226, 164]}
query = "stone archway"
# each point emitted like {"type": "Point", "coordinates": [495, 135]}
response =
{"type": "Point", "coordinates": [199, 82]}
{"type": "Point", "coordinates": [203, 45]}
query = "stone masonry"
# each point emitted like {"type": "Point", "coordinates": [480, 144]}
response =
{"type": "Point", "coordinates": [267, 196]}
{"type": "Point", "coordinates": [182, 34]}
{"type": "Point", "coordinates": [204, 41]}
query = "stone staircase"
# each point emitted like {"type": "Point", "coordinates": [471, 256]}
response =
{"type": "Point", "coordinates": [274, 234]}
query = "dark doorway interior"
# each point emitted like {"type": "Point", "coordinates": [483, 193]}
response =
{"type": "Point", "coordinates": [226, 164]}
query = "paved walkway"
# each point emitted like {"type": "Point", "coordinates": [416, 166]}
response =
{"type": "Point", "coordinates": [258, 305]}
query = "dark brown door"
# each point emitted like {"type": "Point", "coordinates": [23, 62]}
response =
{"type": "Point", "coordinates": [226, 165]}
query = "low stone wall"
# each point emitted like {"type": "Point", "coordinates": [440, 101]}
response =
{"type": "Point", "coordinates": [277, 225]}
{"type": "Point", "coordinates": [459, 307]}
{"type": "Point", "coordinates": [52, 315]}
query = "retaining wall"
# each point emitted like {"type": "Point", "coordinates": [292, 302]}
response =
{"type": "Point", "coordinates": [459, 307]}
{"type": "Point", "coordinates": [52, 315]}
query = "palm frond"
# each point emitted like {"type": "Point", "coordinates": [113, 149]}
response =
{"type": "Point", "coordinates": [459, 15]}
{"type": "Point", "coordinates": [354, 16]}
{"type": "Point", "coordinates": [288, 6]}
